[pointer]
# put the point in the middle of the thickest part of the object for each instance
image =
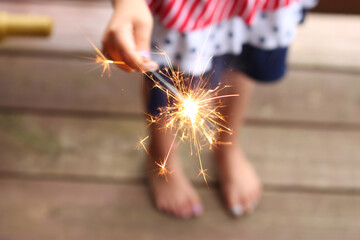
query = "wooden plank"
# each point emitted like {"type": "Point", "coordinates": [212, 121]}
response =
{"type": "Point", "coordinates": [65, 84]}
{"type": "Point", "coordinates": [316, 46]}
{"type": "Point", "coordinates": [105, 149]}
{"type": "Point", "coordinates": [314, 96]}
{"type": "Point", "coordinates": [106, 211]}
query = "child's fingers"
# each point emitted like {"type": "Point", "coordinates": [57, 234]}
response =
{"type": "Point", "coordinates": [117, 45]}
{"type": "Point", "coordinates": [125, 44]}
{"type": "Point", "coordinates": [130, 47]}
{"type": "Point", "coordinates": [147, 62]}
{"type": "Point", "coordinates": [110, 52]}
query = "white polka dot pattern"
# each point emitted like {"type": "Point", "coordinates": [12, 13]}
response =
{"type": "Point", "coordinates": [191, 51]}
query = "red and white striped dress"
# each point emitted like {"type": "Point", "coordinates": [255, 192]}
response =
{"type": "Point", "coordinates": [189, 15]}
{"type": "Point", "coordinates": [244, 19]}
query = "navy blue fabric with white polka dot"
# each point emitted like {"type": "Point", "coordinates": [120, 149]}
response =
{"type": "Point", "coordinates": [265, 66]}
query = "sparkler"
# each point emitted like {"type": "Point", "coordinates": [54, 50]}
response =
{"type": "Point", "coordinates": [194, 116]}
{"type": "Point", "coordinates": [193, 111]}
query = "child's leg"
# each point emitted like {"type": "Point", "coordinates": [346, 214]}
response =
{"type": "Point", "coordinates": [240, 184]}
{"type": "Point", "coordinates": [174, 193]}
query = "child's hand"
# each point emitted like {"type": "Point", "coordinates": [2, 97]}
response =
{"type": "Point", "coordinates": [127, 36]}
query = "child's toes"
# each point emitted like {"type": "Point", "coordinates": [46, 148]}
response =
{"type": "Point", "coordinates": [187, 212]}
{"type": "Point", "coordinates": [196, 209]}
{"type": "Point", "coordinates": [253, 201]}
{"type": "Point", "coordinates": [182, 211]}
{"type": "Point", "coordinates": [237, 210]}
{"type": "Point", "coordinates": [167, 207]}
{"type": "Point", "coordinates": [161, 206]}
{"type": "Point", "coordinates": [193, 208]}
{"type": "Point", "coordinates": [175, 210]}
{"type": "Point", "coordinates": [234, 203]}
{"type": "Point", "coordinates": [253, 205]}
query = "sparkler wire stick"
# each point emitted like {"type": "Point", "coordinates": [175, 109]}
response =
{"type": "Point", "coordinates": [168, 85]}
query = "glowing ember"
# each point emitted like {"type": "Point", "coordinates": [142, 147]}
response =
{"type": "Point", "coordinates": [194, 116]}
{"type": "Point", "coordinates": [190, 109]}
{"type": "Point", "coordinates": [102, 61]}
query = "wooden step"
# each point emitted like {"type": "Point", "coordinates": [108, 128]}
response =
{"type": "Point", "coordinates": [66, 210]}
{"type": "Point", "coordinates": [66, 85]}
{"type": "Point", "coordinates": [328, 41]}
{"type": "Point", "coordinates": [96, 148]}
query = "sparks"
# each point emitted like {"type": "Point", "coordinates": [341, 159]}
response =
{"type": "Point", "coordinates": [102, 61]}
{"type": "Point", "coordinates": [142, 145]}
{"type": "Point", "coordinates": [193, 113]}
{"type": "Point", "coordinates": [195, 116]}
{"type": "Point", "coordinates": [163, 171]}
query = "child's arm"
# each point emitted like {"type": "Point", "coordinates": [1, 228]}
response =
{"type": "Point", "coordinates": [127, 36]}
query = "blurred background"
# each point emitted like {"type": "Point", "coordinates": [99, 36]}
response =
{"type": "Point", "coordinates": [68, 164]}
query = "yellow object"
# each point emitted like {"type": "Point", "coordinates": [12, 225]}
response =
{"type": "Point", "coordinates": [24, 25]}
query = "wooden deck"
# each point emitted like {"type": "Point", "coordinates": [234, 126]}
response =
{"type": "Point", "coordinates": [69, 168]}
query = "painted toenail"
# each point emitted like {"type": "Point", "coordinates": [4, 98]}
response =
{"type": "Point", "coordinates": [237, 210]}
{"type": "Point", "coordinates": [197, 209]}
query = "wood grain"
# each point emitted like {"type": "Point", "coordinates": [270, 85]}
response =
{"type": "Point", "coordinates": [327, 42]}
{"type": "Point", "coordinates": [105, 149]}
{"type": "Point", "coordinates": [53, 83]}
{"type": "Point", "coordinates": [67, 85]}
{"type": "Point", "coordinates": [108, 211]}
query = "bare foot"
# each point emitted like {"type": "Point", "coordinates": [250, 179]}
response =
{"type": "Point", "coordinates": [240, 184]}
{"type": "Point", "coordinates": [172, 192]}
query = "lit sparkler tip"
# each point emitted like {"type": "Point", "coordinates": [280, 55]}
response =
{"type": "Point", "coordinates": [100, 59]}
{"type": "Point", "coordinates": [192, 112]}
{"type": "Point", "coordinates": [190, 109]}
